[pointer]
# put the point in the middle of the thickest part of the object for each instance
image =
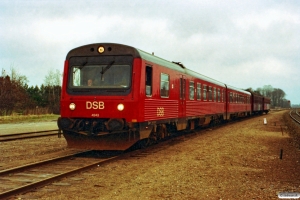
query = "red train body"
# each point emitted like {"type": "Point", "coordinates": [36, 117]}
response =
{"type": "Point", "coordinates": [115, 95]}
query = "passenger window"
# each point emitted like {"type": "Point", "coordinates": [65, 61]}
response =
{"type": "Point", "coordinates": [192, 90]}
{"type": "Point", "coordinates": [164, 85]}
{"type": "Point", "coordinates": [231, 100]}
{"type": "Point", "coordinates": [219, 95]}
{"type": "Point", "coordinates": [215, 94]}
{"type": "Point", "coordinates": [148, 81]}
{"type": "Point", "coordinates": [198, 91]}
{"type": "Point", "coordinates": [204, 92]}
{"type": "Point", "coordinates": [209, 93]}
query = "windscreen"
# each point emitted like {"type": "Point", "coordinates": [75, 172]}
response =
{"type": "Point", "coordinates": [100, 75]}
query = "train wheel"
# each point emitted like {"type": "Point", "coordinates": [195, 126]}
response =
{"type": "Point", "coordinates": [161, 132]}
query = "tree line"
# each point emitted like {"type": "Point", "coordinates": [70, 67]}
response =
{"type": "Point", "coordinates": [16, 96]}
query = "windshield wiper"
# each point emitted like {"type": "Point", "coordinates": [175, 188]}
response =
{"type": "Point", "coordinates": [106, 68]}
{"type": "Point", "coordinates": [81, 66]}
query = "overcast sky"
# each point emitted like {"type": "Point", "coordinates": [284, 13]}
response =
{"type": "Point", "coordinates": [242, 43]}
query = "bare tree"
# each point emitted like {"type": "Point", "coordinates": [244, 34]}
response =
{"type": "Point", "coordinates": [53, 85]}
{"type": "Point", "coordinates": [13, 96]}
{"type": "Point", "coordinates": [53, 78]}
{"type": "Point", "coordinates": [277, 96]}
{"type": "Point", "coordinates": [258, 91]}
{"type": "Point", "coordinates": [17, 77]}
{"type": "Point", "coordinates": [267, 90]}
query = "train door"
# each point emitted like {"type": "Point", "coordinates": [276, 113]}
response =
{"type": "Point", "coordinates": [182, 91]}
{"type": "Point", "coordinates": [226, 99]}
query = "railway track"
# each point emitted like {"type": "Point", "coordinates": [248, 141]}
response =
{"type": "Point", "coordinates": [27, 135]}
{"type": "Point", "coordinates": [295, 115]}
{"type": "Point", "coordinates": [28, 177]}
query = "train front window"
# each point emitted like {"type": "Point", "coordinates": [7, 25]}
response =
{"type": "Point", "coordinates": [100, 75]}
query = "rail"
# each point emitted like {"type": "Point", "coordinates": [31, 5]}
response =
{"type": "Point", "coordinates": [293, 117]}
{"type": "Point", "coordinates": [297, 113]}
{"type": "Point", "coordinates": [15, 180]}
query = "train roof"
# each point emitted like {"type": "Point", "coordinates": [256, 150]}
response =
{"type": "Point", "coordinates": [120, 49]}
{"type": "Point", "coordinates": [181, 68]}
{"type": "Point", "coordinates": [176, 66]}
{"type": "Point", "coordinates": [238, 89]}
{"type": "Point", "coordinates": [259, 95]}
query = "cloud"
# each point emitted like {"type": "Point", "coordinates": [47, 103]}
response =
{"type": "Point", "coordinates": [231, 41]}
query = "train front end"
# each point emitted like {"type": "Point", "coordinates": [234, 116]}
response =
{"type": "Point", "coordinates": [98, 106]}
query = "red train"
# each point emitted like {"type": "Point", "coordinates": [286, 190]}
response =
{"type": "Point", "coordinates": [114, 96]}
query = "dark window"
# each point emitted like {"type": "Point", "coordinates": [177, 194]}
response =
{"type": "Point", "coordinates": [209, 93]}
{"type": "Point", "coordinates": [215, 94]}
{"type": "Point", "coordinates": [164, 85]}
{"type": "Point", "coordinates": [100, 75]}
{"type": "Point", "coordinates": [204, 93]}
{"type": "Point", "coordinates": [192, 90]}
{"type": "Point", "coordinates": [148, 81]}
{"type": "Point", "coordinates": [198, 91]}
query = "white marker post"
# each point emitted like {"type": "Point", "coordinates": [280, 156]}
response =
{"type": "Point", "coordinates": [265, 121]}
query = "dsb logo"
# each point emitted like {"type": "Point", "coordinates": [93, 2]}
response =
{"type": "Point", "coordinates": [94, 105]}
{"type": "Point", "coordinates": [160, 112]}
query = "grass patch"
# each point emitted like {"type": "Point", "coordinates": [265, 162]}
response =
{"type": "Point", "coordinates": [27, 118]}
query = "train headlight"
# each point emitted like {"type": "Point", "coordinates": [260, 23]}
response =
{"type": "Point", "coordinates": [72, 106]}
{"type": "Point", "coordinates": [101, 49]}
{"type": "Point", "coordinates": [120, 107]}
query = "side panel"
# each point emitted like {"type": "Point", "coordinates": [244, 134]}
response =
{"type": "Point", "coordinates": [157, 109]}
{"type": "Point", "coordinates": [238, 102]}
{"type": "Point", "coordinates": [154, 106]}
{"type": "Point", "coordinates": [204, 102]}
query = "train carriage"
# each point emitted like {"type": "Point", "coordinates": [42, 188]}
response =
{"type": "Point", "coordinates": [114, 96]}
{"type": "Point", "coordinates": [266, 104]}
{"type": "Point", "coordinates": [238, 102]}
{"type": "Point", "coordinates": [257, 103]}
{"type": "Point", "coordinates": [205, 100]}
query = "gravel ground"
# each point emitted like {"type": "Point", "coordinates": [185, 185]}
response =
{"type": "Point", "coordinates": [21, 152]}
{"type": "Point", "coordinates": [237, 161]}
